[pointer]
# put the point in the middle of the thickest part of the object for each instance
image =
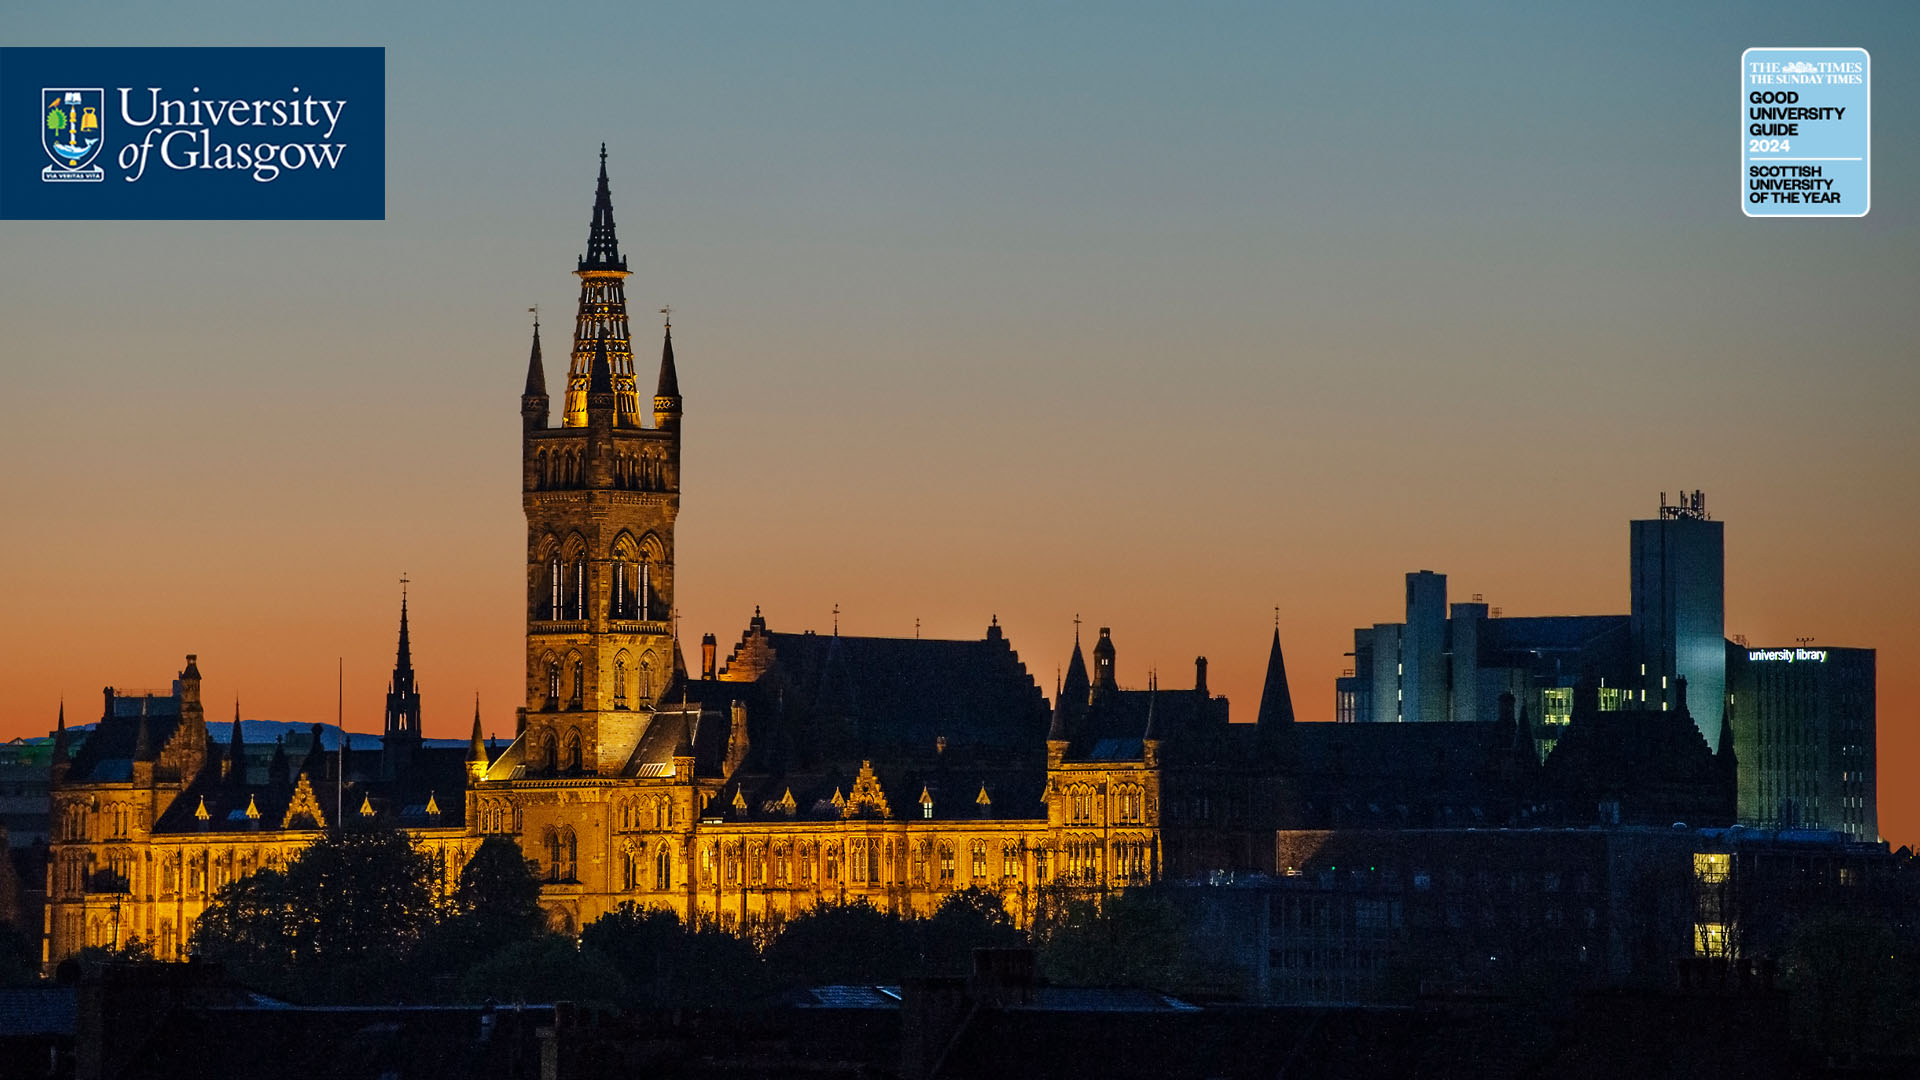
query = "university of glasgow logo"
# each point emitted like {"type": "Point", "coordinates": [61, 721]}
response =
{"type": "Point", "coordinates": [73, 128]}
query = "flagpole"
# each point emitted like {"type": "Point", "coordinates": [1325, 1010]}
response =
{"type": "Point", "coordinates": [339, 724]}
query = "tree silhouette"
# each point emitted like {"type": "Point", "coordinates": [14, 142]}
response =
{"type": "Point", "coordinates": [342, 922]}
{"type": "Point", "coordinates": [666, 963]}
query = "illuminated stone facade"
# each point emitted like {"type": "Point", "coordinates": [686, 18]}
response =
{"type": "Point", "coordinates": [150, 818]}
{"type": "Point", "coordinates": [805, 768]}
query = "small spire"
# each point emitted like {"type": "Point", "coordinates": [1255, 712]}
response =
{"type": "Point", "coordinates": [60, 734]}
{"type": "Point", "coordinates": [237, 747]}
{"type": "Point", "coordinates": [143, 741]}
{"type": "Point", "coordinates": [476, 747]}
{"type": "Point", "coordinates": [536, 369]}
{"type": "Point", "coordinates": [403, 656]}
{"type": "Point", "coordinates": [669, 386]}
{"type": "Point", "coordinates": [1276, 701]}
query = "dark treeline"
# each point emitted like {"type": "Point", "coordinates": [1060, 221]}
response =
{"type": "Point", "coordinates": [355, 919]}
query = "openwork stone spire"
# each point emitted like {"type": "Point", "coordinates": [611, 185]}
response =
{"type": "Point", "coordinates": [603, 315]}
{"type": "Point", "coordinates": [403, 693]}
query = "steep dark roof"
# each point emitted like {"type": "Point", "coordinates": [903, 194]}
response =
{"type": "Point", "coordinates": [431, 772]}
{"type": "Point", "coordinates": [1118, 719]}
{"type": "Point", "coordinates": [108, 753]}
{"type": "Point", "coordinates": [841, 699]}
{"type": "Point", "coordinates": [1653, 764]}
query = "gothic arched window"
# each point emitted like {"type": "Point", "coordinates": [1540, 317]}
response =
{"type": "Point", "coordinates": [579, 596]}
{"type": "Point", "coordinates": [553, 588]}
{"type": "Point", "coordinates": [550, 753]}
{"type": "Point", "coordinates": [663, 868]}
{"type": "Point", "coordinates": [573, 751]}
{"type": "Point", "coordinates": [620, 682]}
{"type": "Point", "coordinates": [646, 587]}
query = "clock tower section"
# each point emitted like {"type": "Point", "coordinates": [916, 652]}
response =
{"type": "Point", "coordinates": [601, 493]}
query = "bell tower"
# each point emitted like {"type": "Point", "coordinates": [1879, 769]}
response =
{"type": "Point", "coordinates": [601, 493]}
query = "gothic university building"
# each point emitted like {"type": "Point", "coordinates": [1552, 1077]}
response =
{"type": "Point", "coordinates": [799, 768]}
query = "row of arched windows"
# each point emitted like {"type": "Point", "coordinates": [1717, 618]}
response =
{"type": "Point", "coordinates": [644, 812]}
{"type": "Point", "coordinates": [632, 594]}
{"type": "Point", "coordinates": [564, 467]}
{"type": "Point", "coordinates": [928, 861]}
{"type": "Point", "coordinates": [77, 821]}
{"type": "Point", "coordinates": [635, 864]}
{"type": "Point", "coordinates": [498, 816]}
{"type": "Point", "coordinates": [631, 686]}
{"type": "Point", "coordinates": [555, 754]}
{"type": "Point", "coordinates": [1083, 803]}
{"type": "Point", "coordinates": [639, 471]}
{"type": "Point", "coordinates": [632, 590]}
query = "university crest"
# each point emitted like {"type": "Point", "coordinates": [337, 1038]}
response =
{"type": "Point", "coordinates": [72, 130]}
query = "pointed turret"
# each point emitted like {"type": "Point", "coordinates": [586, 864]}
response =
{"type": "Point", "coordinates": [1150, 739]}
{"type": "Point", "coordinates": [62, 760]}
{"type": "Point", "coordinates": [476, 746]}
{"type": "Point", "coordinates": [533, 401]}
{"type": "Point", "coordinates": [1075, 688]}
{"type": "Point", "coordinates": [1071, 702]}
{"type": "Point", "coordinates": [1276, 701]}
{"type": "Point", "coordinates": [235, 767]}
{"type": "Point", "coordinates": [666, 396]}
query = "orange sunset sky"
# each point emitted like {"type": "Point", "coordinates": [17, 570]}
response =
{"type": "Point", "coordinates": [1160, 320]}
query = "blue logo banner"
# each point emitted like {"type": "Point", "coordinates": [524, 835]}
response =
{"type": "Point", "coordinates": [1806, 132]}
{"type": "Point", "coordinates": [193, 133]}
